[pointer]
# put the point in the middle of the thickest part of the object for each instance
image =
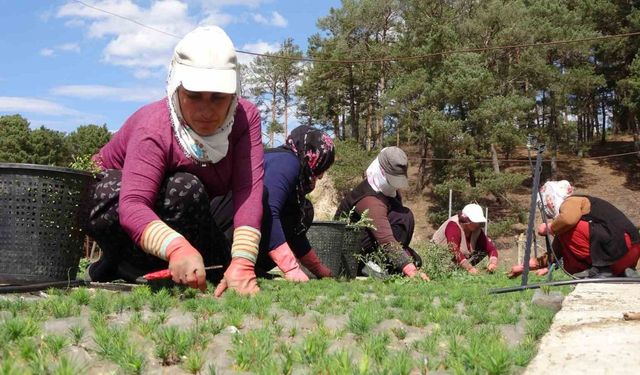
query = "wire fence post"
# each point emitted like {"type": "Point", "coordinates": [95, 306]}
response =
{"type": "Point", "coordinates": [450, 197]}
{"type": "Point", "coordinates": [486, 221]}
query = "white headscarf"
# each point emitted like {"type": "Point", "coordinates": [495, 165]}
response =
{"type": "Point", "coordinates": [377, 180]}
{"type": "Point", "coordinates": [554, 194]}
{"type": "Point", "coordinates": [205, 149]}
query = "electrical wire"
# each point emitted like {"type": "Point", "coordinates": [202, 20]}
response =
{"type": "Point", "coordinates": [384, 59]}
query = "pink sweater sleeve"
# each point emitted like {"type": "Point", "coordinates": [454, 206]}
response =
{"type": "Point", "coordinates": [142, 174]}
{"type": "Point", "coordinates": [248, 173]}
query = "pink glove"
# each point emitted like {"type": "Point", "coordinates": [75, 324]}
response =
{"type": "Point", "coordinates": [185, 264]}
{"type": "Point", "coordinates": [240, 276]}
{"type": "Point", "coordinates": [313, 264]}
{"type": "Point", "coordinates": [470, 268]}
{"type": "Point", "coordinates": [515, 271]}
{"type": "Point", "coordinates": [542, 271]}
{"type": "Point", "coordinates": [544, 229]}
{"type": "Point", "coordinates": [411, 271]}
{"type": "Point", "coordinates": [493, 264]}
{"type": "Point", "coordinates": [286, 261]}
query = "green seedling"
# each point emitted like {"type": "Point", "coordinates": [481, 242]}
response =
{"type": "Point", "coordinates": [399, 332]}
{"type": "Point", "coordinates": [62, 307]}
{"type": "Point", "coordinates": [101, 303]}
{"type": "Point", "coordinates": [161, 301]}
{"type": "Point", "coordinates": [314, 346]}
{"type": "Point", "coordinates": [375, 346]}
{"type": "Point", "coordinates": [67, 367]}
{"type": "Point", "coordinates": [362, 319]}
{"type": "Point", "coordinates": [399, 363]}
{"type": "Point", "coordinates": [81, 296]}
{"type": "Point", "coordinates": [54, 344]}
{"type": "Point", "coordinates": [252, 349]}
{"type": "Point", "coordinates": [194, 362]}
{"type": "Point", "coordinates": [13, 329]}
{"type": "Point", "coordinates": [10, 368]}
{"type": "Point", "coordinates": [172, 344]}
{"type": "Point", "coordinates": [113, 344]}
{"type": "Point", "coordinates": [77, 333]}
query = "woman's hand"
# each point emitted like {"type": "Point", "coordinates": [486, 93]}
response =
{"type": "Point", "coordinates": [185, 264]}
{"type": "Point", "coordinates": [240, 276]}
{"type": "Point", "coordinates": [411, 270]}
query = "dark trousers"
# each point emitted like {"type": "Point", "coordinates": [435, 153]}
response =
{"type": "Point", "coordinates": [402, 225]}
{"type": "Point", "coordinates": [182, 203]}
{"type": "Point", "coordinates": [222, 212]}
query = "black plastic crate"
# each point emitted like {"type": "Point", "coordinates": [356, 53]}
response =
{"type": "Point", "coordinates": [40, 209]}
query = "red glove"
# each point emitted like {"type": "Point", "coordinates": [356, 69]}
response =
{"type": "Point", "coordinates": [240, 276]}
{"type": "Point", "coordinates": [544, 229]}
{"type": "Point", "coordinates": [185, 264]}
{"type": "Point", "coordinates": [313, 264]}
{"type": "Point", "coordinates": [286, 261]}
{"type": "Point", "coordinates": [411, 271]}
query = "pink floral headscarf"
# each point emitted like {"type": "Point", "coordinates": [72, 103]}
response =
{"type": "Point", "coordinates": [553, 195]}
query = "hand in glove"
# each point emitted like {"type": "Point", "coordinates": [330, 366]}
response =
{"type": "Point", "coordinates": [544, 229]}
{"type": "Point", "coordinates": [493, 264]}
{"type": "Point", "coordinates": [240, 276]}
{"type": "Point", "coordinates": [185, 264]}
{"type": "Point", "coordinates": [286, 261]}
{"type": "Point", "coordinates": [469, 267]}
{"type": "Point", "coordinates": [410, 270]}
{"type": "Point", "coordinates": [315, 265]}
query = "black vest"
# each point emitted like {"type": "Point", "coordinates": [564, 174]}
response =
{"type": "Point", "coordinates": [361, 191]}
{"type": "Point", "coordinates": [607, 227]}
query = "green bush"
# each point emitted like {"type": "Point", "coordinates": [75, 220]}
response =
{"type": "Point", "coordinates": [437, 260]}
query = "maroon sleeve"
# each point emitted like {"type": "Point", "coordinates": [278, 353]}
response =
{"type": "Point", "coordinates": [142, 175]}
{"type": "Point", "coordinates": [454, 237]}
{"type": "Point", "coordinates": [248, 172]}
{"type": "Point", "coordinates": [485, 243]}
{"type": "Point", "coordinates": [378, 214]}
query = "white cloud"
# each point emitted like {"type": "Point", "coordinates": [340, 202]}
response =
{"type": "Point", "coordinates": [19, 104]}
{"type": "Point", "coordinates": [258, 47]}
{"type": "Point", "coordinates": [259, 18]}
{"type": "Point", "coordinates": [69, 47]}
{"type": "Point", "coordinates": [131, 44]}
{"type": "Point", "coordinates": [47, 52]}
{"type": "Point", "coordinates": [276, 19]}
{"type": "Point", "coordinates": [244, 3]}
{"type": "Point", "coordinates": [123, 94]}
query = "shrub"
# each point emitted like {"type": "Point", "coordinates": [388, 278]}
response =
{"type": "Point", "coordinates": [436, 260]}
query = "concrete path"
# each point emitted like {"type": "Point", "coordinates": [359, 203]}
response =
{"type": "Point", "coordinates": [589, 335]}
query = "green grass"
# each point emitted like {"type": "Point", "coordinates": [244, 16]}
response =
{"type": "Point", "coordinates": [450, 324]}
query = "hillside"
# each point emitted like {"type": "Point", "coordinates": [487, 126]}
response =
{"type": "Point", "coordinates": [615, 179]}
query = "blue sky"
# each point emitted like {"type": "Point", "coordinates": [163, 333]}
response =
{"type": "Point", "coordinates": [64, 64]}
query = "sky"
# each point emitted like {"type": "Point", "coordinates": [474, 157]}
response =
{"type": "Point", "coordinates": [64, 64]}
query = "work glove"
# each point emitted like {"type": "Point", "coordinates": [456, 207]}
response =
{"type": "Point", "coordinates": [185, 264]}
{"type": "Point", "coordinates": [493, 264]}
{"type": "Point", "coordinates": [315, 265]}
{"type": "Point", "coordinates": [515, 271]}
{"type": "Point", "coordinates": [286, 261]}
{"type": "Point", "coordinates": [469, 267]}
{"type": "Point", "coordinates": [411, 270]}
{"type": "Point", "coordinates": [240, 276]}
{"type": "Point", "coordinates": [544, 229]}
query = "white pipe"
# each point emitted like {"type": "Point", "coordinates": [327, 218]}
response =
{"type": "Point", "coordinates": [450, 197]}
{"type": "Point", "coordinates": [486, 222]}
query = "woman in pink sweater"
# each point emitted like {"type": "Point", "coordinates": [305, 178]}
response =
{"type": "Point", "coordinates": [150, 207]}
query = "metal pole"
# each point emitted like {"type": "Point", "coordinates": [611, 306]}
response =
{"type": "Point", "coordinates": [532, 215]}
{"type": "Point", "coordinates": [486, 223]}
{"type": "Point", "coordinates": [450, 198]}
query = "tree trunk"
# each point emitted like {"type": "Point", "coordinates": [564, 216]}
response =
{"type": "Point", "coordinates": [494, 158]}
{"type": "Point", "coordinates": [604, 120]}
{"type": "Point", "coordinates": [273, 120]}
{"type": "Point", "coordinates": [368, 127]}
{"type": "Point", "coordinates": [352, 105]}
{"type": "Point", "coordinates": [422, 169]}
{"type": "Point", "coordinates": [285, 93]}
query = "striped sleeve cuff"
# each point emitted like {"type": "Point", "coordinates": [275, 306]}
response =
{"type": "Point", "coordinates": [246, 241]}
{"type": "Point", "coordinates": [156, 238]}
